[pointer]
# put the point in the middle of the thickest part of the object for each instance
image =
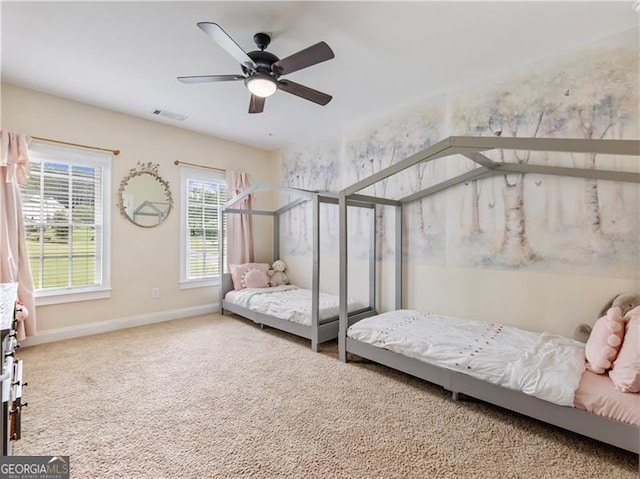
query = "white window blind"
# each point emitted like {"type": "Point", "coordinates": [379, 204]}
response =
{"type": "Point", "coordinates": [64, 215]}
{"type": "Point", "coordinates": [205, 193]}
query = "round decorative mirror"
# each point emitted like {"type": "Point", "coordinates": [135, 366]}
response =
{"type": "Point", "coordinates": [144, 198]}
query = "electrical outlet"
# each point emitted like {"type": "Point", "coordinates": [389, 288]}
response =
{"type": "Point", "coordinates": [155, 292]}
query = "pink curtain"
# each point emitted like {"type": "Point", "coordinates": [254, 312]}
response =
{"type": "Point", "coordinates": [14, 260]}
{"type": "Point", "coordinates": [239, 227]}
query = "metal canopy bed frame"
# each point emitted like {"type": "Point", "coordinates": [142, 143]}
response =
{"type": "Point", "coordinates": [617, 433]}
{"type": "Point", "coordinates": [318, 332]}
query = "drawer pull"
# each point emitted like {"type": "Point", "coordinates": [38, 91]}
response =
{"type": "Point", "coordinates": [18, 407]}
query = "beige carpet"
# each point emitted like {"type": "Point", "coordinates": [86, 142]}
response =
{"type": "Point", "coordinates": [216, 396]}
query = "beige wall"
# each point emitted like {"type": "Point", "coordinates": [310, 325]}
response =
{"type": "Point", "coordinates": [141, 258]}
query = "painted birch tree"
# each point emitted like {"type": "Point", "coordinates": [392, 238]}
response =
{"type": "Point", "coordinates": [295, 171]}
{"type": "Point", "coordinates": [601, 94]}
{"type": "Point", "coordinates": [527, 105]}
{"type": "Point", "coordinates": [312, 167]}
{"type": "Point", "coordinates": [415, 138]}
{"type": "Point", "coordinates": [472, 125]}
{"type": "Point", "coordinates": [375, 149]}
{"type": "Point", "coordinates": [380, 145]}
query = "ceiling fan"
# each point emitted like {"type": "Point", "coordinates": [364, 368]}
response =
{"type": "Point", "coordinates": [262, 70]}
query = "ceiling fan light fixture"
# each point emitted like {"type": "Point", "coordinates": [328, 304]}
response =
{"type": "Point", "coordinates": [261, 85]}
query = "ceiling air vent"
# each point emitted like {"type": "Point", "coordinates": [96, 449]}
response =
{"type": "Point", "coordinates": [169, 114]}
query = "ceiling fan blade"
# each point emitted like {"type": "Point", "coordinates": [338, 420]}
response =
{"type": "Point", "coordinates": [256, 105]}
{"type": "Point", "coordinates": [304, 92]}
{"type": "Point", "coordinates": [210, 78]}
{"type": "Point", "coordinates": [218, 35]}
{"type": "Point", "coordinates": [318, 53]}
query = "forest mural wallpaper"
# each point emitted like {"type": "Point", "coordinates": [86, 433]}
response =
{"type": "Point", "coordinates": [377, 146]}
{"type": "Point", "coordinates": [312, 167]}
{"type": "Point", "coordinates": [526, 221]}
{"type": "Point", "coordinates": [546, 222]}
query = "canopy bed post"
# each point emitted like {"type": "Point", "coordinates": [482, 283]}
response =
{"type": "Point", "coordinates": [398, 256]}
{"type": "Point", "coordinates": [342, 240]}
{"type": "Point", "coordinates": [373, 254]}
{"type": "Point", "coordinates": [221, 258]}
{"type": "Point", "coordinates": [315, 280]}
{"type": "Point", "coordinates": [276, 236]}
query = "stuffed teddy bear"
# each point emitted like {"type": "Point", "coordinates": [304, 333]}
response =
{"type": "Point", "coordinates": [625, 301]}
{"type": "Point", "coordinates": [277, 273]}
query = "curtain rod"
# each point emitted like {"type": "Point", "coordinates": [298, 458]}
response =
{"type": "Point", "coordinates": [177, 162]}
{"type": "Point", "coordinates": [115, 152]}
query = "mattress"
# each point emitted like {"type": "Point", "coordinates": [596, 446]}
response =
{"type": "Point", "coordinates": [545, 366]}
{"type": "Point", "coordinates": [290, 303]}
{"type": "Point", "coordinates": [597, 394]}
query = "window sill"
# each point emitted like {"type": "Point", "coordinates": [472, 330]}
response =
{"type": "Point", "coordinates": [44, 298]}
{"type": "Point", "coordinates": [200, 283]}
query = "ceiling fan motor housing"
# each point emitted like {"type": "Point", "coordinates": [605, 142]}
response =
{"type": "Point", "coordinates": [263, 61]}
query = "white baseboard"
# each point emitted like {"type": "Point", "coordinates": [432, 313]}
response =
{"type": "Point", "coordinates": [60, 334]}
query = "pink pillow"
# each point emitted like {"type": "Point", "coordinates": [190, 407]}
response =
{"type": "Point", "coordinates": [255, 278]}
{"type": "Point", "coordinates": [238, 270]}
{"type": "Point", "coordinates": [625, 373]}
{"type": "Point", "coordinates": [604, 341]}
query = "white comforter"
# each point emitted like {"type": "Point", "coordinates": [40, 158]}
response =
{"type": "Point", "coordinates": [289, 302]}
{"type": "Point", "coordinates": [546, 366]}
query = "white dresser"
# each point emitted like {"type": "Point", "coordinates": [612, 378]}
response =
{"type": "Point", "coordinates": [11, 375]}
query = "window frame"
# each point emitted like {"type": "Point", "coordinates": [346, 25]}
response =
{"type": "Point", "coordinates": [210, 176]}
{"type": "Point", "coordinates": [43, 152]}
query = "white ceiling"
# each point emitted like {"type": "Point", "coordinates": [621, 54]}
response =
{"type": "Point", "coordinates": [125, 56]}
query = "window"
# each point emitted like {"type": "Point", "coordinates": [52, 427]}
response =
{"type": "Point", "coordinates": [66, 223]}
{"type": "Point", "coordinates": [203, 192]}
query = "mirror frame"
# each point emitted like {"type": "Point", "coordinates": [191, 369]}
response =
{"type": "Point", "coordinates": [151, 169]}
